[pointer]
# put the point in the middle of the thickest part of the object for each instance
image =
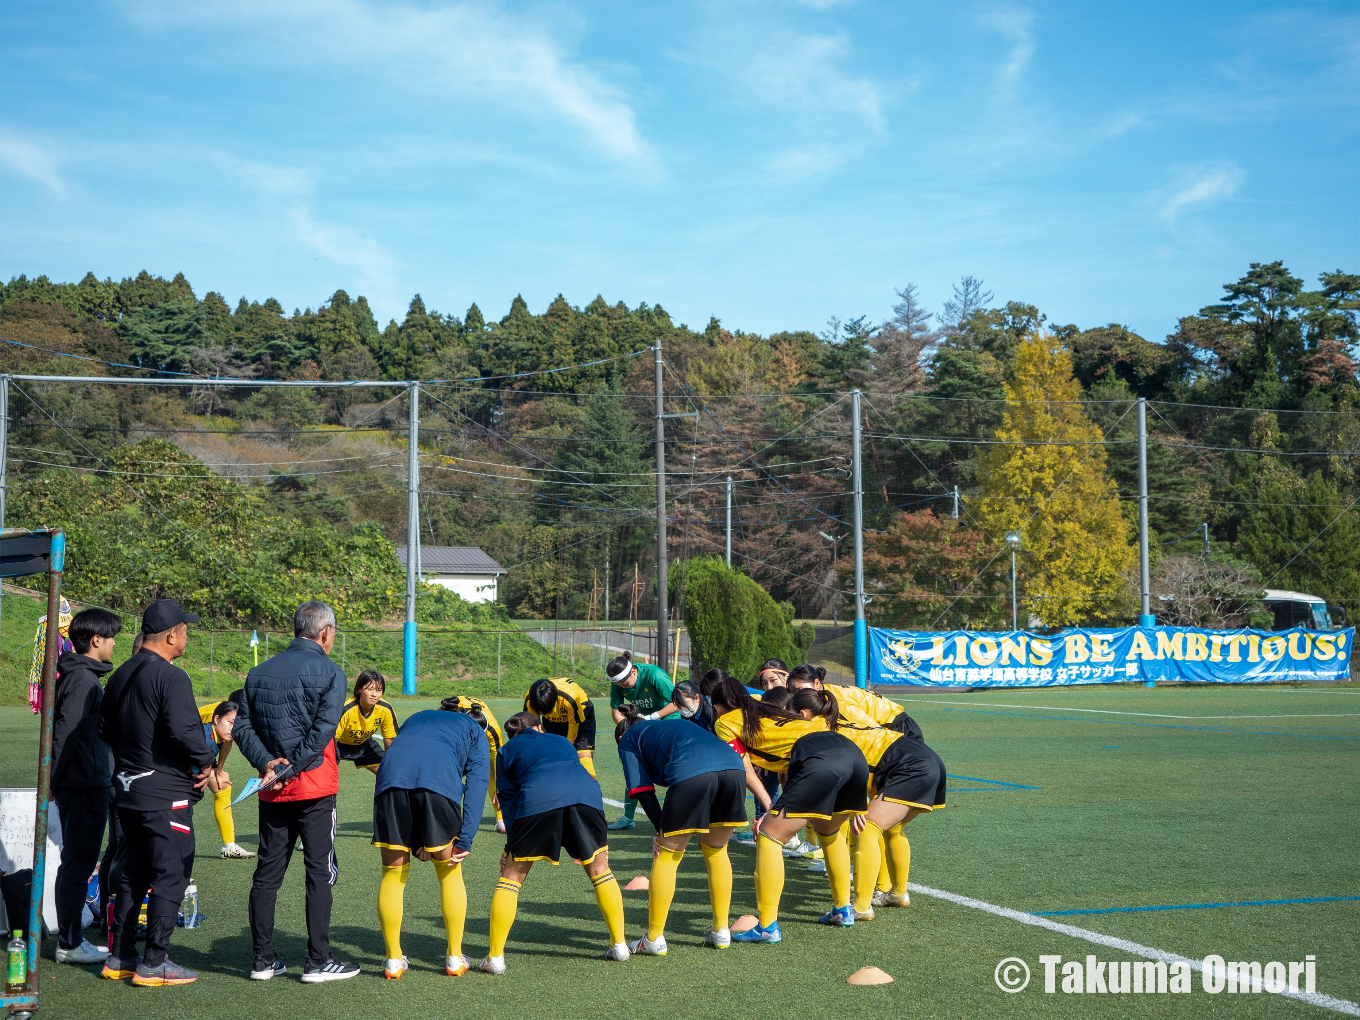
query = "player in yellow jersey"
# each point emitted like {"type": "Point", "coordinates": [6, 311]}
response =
{"type": "Point", "coordinates": [825, 778]}
{"type": "Point", "coordinates": [218, 718]}
{"type": "Point", "coordinates": [566, 710]}
{"type": "Point", "coordinates": [362, 720]}
{"type": "Point", "coordinates": [908, 780]}
{"type": "Point", "coordinates": [481, 714]}
{"type": "Point", "coordinates": [858, 706]}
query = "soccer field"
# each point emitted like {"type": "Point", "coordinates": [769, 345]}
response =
{"type": "Point", "coordinates": [1079, 805]}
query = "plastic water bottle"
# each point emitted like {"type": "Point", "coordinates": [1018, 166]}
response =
{"type": "Point", "coordinates": [17, 977]}
{"type": "Point", "coordinates": [189, 916]}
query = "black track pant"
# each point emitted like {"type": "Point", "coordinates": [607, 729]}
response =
{"type": "Point", "coordinates": [83, 810]}
{"type": "Point", "coordinates": [109, 869]}
{"type": "Point", "coordinates": [280, 826]}
{"type": "Point", "coordinates": [158, 858]}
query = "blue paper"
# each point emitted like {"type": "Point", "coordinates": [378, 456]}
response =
{"type": "Point", "coordinates": [252, 786]}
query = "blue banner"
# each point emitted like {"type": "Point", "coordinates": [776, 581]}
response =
{"type": "Point", "coordinates": [962, 658]}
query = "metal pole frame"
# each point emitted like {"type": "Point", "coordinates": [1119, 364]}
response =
{"type": "Point", "coordinates": [662, 592]}
{"type": "Point", "coordinates": [1146, 617]}
{"type": "Point", "coordinates": [861, 622]}
{"type": "Point", "coordinates": [408, 658]}
{"type": "Point", "coordinates": [729, 522]}
{"type": "Point", "coordinates": [4, 458]}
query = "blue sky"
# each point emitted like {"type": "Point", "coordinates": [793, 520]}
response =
{"type": "Point", "coordinates": [770, 164]}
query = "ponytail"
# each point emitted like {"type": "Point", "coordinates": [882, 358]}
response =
{"type": "Point", "coordinates": [519, 722]}
{"type": "Point", "coordinates": [631, 714]}
{"type": "Point", "coordinates": [807, 675]}
{"type": "Point", "coordinates": [729, 696]}
{"type": "Point", "coordinates": [619, 667]}
{"type": "Point", "coordinates": [822, 704]}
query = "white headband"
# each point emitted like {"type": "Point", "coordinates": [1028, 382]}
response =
{"type": "Point", "coordinates": [616, 677]}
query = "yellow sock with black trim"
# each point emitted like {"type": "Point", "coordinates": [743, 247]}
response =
{"type": "Point", "coordinates": [588, 763]}
{"type": "Point", "coordinates": [719, 867]}
{"type": "Point", "coordinates": [836, 853]}
{"type": "Point", "coordinates": [868, 863]}
{"type": "Point", "coordinates": [499, 817]}
{"type": "Point", "coordinates": [452, 903]}
{"type": "Point", "coordinates": [504, 903]}
{"type": "Point", "coordinates": [222, 812]}
{"type": "Point", "coordinates": [391, 897]}
{"type": "Point", "coordinates": [769, 878]}
{"type": "Point", "coordinates": [661, 890]}
{"type": "Point", "coordinates": [884, 871]}
{"type": "Point", "coordinates": [610, 899]}
{"type": "Point", "coordinates": [899, 858]}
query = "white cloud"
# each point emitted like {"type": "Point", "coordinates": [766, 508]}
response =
{"type": "Point", "coordinates": [804, 72]}
{"type": "Point", "coordinates": [30, 159]}
{"type": "Point", "coordinates": [456, 52]}
{"type": "Point", "coordinates": [1199, 185]}
{"type": "Point", "coordinates": [1017, 26]}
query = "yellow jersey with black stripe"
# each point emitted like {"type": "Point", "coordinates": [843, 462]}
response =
{"type": "Point", "coordinates": [570, 708]}
{"type": "Point", "coordinates": [774, 739]}
{"type": "Point", "coordinates": [872, 740]}
{"type": "Point", "coordinates": [495, 738]}
{"type": "Point", "coordinates": [205, 716]}
{"type": "Point", "coordinates": [356, 728]}
{"type": "Point", "coordinates": [863, 708]}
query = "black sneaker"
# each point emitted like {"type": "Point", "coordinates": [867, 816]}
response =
{"type": "Point", "coordinates": [331, 970]}
{"type": "Point", "coordinates": [262, 971]}
{"type": "Point", "coordinates": [165, 973]}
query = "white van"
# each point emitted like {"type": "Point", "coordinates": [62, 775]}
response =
{"type": "Point", "coordinates": [1295, 609]}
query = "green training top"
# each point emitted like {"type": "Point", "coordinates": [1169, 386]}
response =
{"type": "Point", "coordinates": [651, 693]}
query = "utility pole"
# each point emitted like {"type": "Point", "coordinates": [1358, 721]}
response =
{"type": "Point", "coordinates": [408, 661]}
{"type": "Point", "coordinates": [729, 519]}
{"type": "Point", "coordinates": [1145, 618]}
{"type": "Point", "coordinates": [662, 595]}
{"type": "Point", "coordinates": [1203, 527]}
{"type": "Point", "coordinates": [1013, 543]}
{"type": "Point", "coordinates": [4, 448]}
{"type": "Point", "coordinates": [861, 623]}
{"type": "Point", "coordinates": [956, 503]}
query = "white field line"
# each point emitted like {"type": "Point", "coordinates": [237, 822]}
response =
{"type": "Point", "coordinates": [612, 802]}
{"type": "Point", "coordinates": [1110, 711]}
{"type": "Point", "coordinates": [1123, 945]}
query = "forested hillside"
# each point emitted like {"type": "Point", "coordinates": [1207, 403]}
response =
{"type": "Point", "coordinates": [241, 499]}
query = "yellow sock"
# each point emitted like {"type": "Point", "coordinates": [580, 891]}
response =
{"type": "Point", "coordinates": [452, 903]}
{"type": "Point", "coordinates": [610, 899]}
{"type": "Point", "coordinates": [899, 859]}
{"type": "Point", "coordinates": [661, 890]}
{"type": "Point", "coordinates": [837, 855]}
{"type": "Point", "coordinates": [868, 863]}
{"type": "Point", "coordinates": [588, 761]}
{"type": "Point", "coordinates": [719, 867]}
{"type": "Point", "coordinates": [504, 902]}
{"type": "Point", "coordinates": [391, 894]}
{"type": "Point", "coordinates": [499, 817]}
{"type": "Point", "coordinates": [884, 871]}
{"type": "Point", "coordinates": [769, 878]}
{"type": "Point", "coordinates": [222, 812]}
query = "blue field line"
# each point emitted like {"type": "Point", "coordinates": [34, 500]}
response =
{"type": "Point", "coordinates": [993, 782]}
{"type": "Point", "coordinates": [1157, 726]}
{"type": "Point", "coordinates": [1197, 906]}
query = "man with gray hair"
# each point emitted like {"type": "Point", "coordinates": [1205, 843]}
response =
{"type": "Point", "coordinates": [286, 728]}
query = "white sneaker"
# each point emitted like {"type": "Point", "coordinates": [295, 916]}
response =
{"type": "Point", "coordinates": [492, 965]}
{"type": "Point", "coordinates": [395, 968]}
{"type": "Point", "coordinates": [646, 947]}
{"type": "Point", "coordinates": [618, 951]}
{"type": "Point", "coordinates": [719, 939]}
{"type": "Point", "coordinates": [236, 852]}
{"type": "Point", "coordinates": [457, 966]}
{"type": "Point", "coordinates": [817, 868]}
{"type": "Point", "coordinates": [82, 954]}
{"type": "Point", "coordinates": [500, 825]}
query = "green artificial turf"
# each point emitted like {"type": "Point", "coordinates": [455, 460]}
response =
{"type": "Point", "coordinates": [1130, 810]}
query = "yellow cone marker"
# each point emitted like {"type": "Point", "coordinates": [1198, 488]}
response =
{"type": "Point", "coordinates": [869, 976]}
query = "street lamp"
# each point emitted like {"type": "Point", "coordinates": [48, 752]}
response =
{"type": "Point", "coordinates": [1013, 544]}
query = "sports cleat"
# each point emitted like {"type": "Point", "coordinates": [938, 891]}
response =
{"type": "Point", "coordinates": [395, 968]}
{"type": "Point", "coordinates": [839, 917]}
{"type": "Point", "coordinates": [759, 934]}
{"type": "Point", "coordinates": [457, 966]}
{"type": "Point", "coordinates": [890, 899]}
{"type": "Point", "coordinates": [236, 852]}
{"type": "Point", "coordinates": [721, 939]}
{"type": "Point", "coordinates": [167, 972]}
{"type": "Point", "coordinates": [82, 954]}
{"type": "Point", "coordinates": [646, 947]}
{"type": "Point", "coordinates": [622, 822]}
{"type": "Point", "coordinates": [500, 825]}
{"type": "Point", "coordinates": [262, 971]}
{"type": "Point", "coordinates": [115, 970]}
{"type": "Point", "coordinates": [331, 970]}
{"type": "Point", "coordinates": [492, 965]}
{"type": "Point", "coordinates": [817, 868]}
{"type": "Point", "coordinates": [618, 952]}
{"type": "Point", "coordinates": [864, 915]}
{"type": "Point", "coordinates": [746, 837]}
{"type": "Point", "coordinates": [803, 849]}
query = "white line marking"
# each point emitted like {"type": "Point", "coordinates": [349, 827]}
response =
{"type": "Point", "coordinates": [1148, 715]}
{"type": "Point", "coordinates": [1123, 945]}
{"type": "Point", "coordinates": [612, 802]}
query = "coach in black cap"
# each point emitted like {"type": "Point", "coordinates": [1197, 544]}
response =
{"type": "Point", "coordinates": [149, 719]}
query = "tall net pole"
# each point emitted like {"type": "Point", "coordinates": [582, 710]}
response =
{"type": "Point", "coordinates": [1146, 619]}
{"type": "Point", "coordinates": [861, 623]}
{"type": "Point", "coordinates": [662, 595]}
{"type": "Point", "coordinates": [408, 663]}
{"type": "Point", "coordinates": [729, 522]}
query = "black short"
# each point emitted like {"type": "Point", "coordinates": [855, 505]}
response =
{"type": "Point", "coordinates": [828, 775]}
{"type": "Point", "coordinates": [907, 726]}
{"type": "Point", "coordinates": [363, 755]}
{"type": "Point", "coordinates": [578, 829]}
{"type": "Point", "coordinates": [710, 800]}
{"type": "Point", "coordinates": [912, 774]}
{"type": "Point", "coordinates": [585, 733]}
{"type": "Point", "coordinates": [415, 820]}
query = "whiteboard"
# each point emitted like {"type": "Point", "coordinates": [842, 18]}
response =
{"type": "Point", "coordinates": [18, 812]}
